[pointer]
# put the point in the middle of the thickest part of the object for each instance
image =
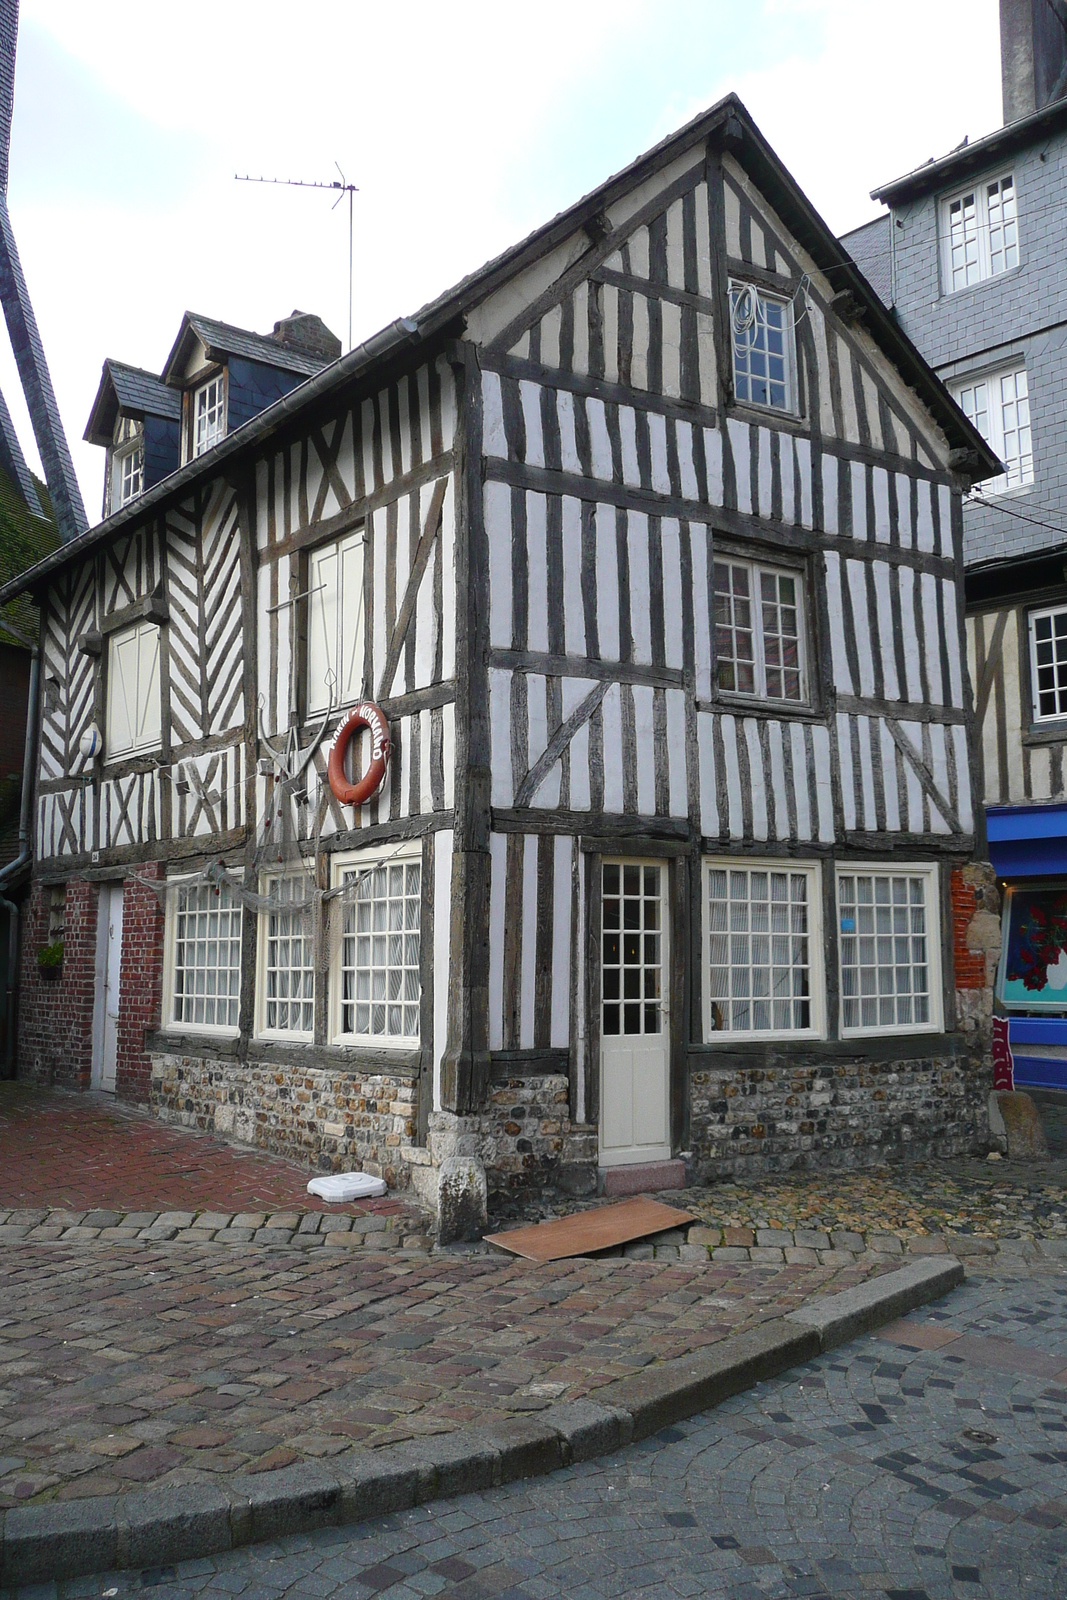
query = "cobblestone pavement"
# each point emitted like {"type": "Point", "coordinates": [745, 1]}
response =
{"type": "Point", "coordinates": [89, 1152]}
{"type": "Point", "coordinates": [923, 1464]}
{"type": "Point", "coordinates": [144, 1365]}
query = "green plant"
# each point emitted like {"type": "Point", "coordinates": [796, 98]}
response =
{"type": "Point", "coordinates": [51, 955]}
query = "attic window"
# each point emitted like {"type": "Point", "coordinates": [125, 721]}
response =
{"type": "Point", "coordinates": [209, 414]}
{"type": "Point", "coordinates": [127, 475]}
{"type": "Point", "coordinates": [762, 329]}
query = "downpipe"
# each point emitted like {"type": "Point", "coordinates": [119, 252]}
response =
{"type": "Point", "coordinates": [14, 869]}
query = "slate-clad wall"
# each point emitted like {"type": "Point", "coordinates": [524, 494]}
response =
{"type": "Point", "coordinates": [1020, 313]}
{"type": "Point", "coordinates": [162, 448]}
{"type": "Point", "coordinates": [252, 387]}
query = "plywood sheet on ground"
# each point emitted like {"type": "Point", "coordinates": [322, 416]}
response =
{"type": "Point", "coordinates": [585, 1232]}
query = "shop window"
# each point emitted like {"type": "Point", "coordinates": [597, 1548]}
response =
{"type": "Point", "coordinates": [204, 965]}
{"type": "Point", "coordinates": [287, 962]}
{"type": "Point", "coordinates": [378, 987]}
{"type": "Point", "coordinates": [763, 961]}
{"type": "Point", "coordinates": [889, 939]}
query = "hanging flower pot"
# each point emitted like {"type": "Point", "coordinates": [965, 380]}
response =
{"type": "Point", "coordinates": [50, 961]}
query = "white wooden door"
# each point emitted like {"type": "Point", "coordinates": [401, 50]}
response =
{"type": "Point", "coordinates": [634, 1021]}
{"type": "Point", "coordinates": [108, 963]}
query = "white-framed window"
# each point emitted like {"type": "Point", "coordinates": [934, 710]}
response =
{"type": "Point", "coordinates": [762, 334]}
{"type": "Point", "coordinates": [998, 403]}
{"type": "Point", "coordinates": [134, 719]}
{"type": "Point", "coordinates": [127, 475]}
{"type": "Point", "coordinates": [286, 960]}
{"type": "Point", "coordinates": [377, 987]}
{"type": "Point", "coordinates": [889, 929]}
{"type": "Point", "coordinates": [763, 949]}
{"type": "Point", "coordinates": [759, 630]}
{"type": "Point", "coordinates": [203, 975]}
{"type": "Point", "coordinates": [209, 414]}
{"type": "Point", "coordinates": [1048, 662]}
{"type": "Point", "coordinates": [979, 232]}
{"type": "Point", "coordinates": [335, 622]}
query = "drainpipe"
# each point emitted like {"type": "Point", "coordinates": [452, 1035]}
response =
{"type": "Point", "coordinates": [11, 873]}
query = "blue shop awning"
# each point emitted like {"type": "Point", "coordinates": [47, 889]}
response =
{"type": "Point", "coordinates": [1028, 841]}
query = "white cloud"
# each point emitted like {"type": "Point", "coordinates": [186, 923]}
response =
{"type": "Point", "coordinates": [464, 126]}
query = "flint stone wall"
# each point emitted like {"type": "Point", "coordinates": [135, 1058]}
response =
{"type": "Point", "coordinates": [525, 1139]}
{"type": "Point", "coordinates": [788, 1113]}
{"type": "Point", "coordinates": [332, 1118]}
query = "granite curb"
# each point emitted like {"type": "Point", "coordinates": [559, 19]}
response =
{"type": "Point", "coordinates": [156, 1528]}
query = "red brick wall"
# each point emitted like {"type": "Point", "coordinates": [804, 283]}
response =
{"type": "Point", "coordinates": [55, 1020]}
{"type": "Point", "coordinates": [970, 964]}
{"type": "Point", "coordinates": [140, 984]}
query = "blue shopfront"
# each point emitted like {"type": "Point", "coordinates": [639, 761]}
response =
{"type": "Point", "coordinates": [1028, 850]}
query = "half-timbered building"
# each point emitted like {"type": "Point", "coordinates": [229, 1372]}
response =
{"type": "Point", "coordinates": [645, 540]}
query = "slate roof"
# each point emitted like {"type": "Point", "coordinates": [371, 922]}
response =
{"type": "Point", "coordinates": [25, 539]}
{"type": "Point", "coordinates": [870, 248]}
{"type": "Point", "coordinates": [222, 339]}
{"type": "Point", "coordinates": [129, 389]}
{"type": "Point", "coordinates": [444, 316]}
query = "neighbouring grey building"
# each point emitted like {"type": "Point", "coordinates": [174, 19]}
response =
{"type": "Point", "coordinates": [972, 258]}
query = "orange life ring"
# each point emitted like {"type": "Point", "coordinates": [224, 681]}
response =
{"type": "Point", "coordinates": [364, 715]}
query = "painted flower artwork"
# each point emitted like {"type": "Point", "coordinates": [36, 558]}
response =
{"type": "Point", "coordinates": [1035, 967]}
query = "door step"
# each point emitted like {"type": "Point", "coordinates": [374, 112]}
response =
{"type": "Point", "coordinates": [647, 1177]}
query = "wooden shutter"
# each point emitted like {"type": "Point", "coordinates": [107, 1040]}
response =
{"type": "Point", "coordinates": [134, 719]}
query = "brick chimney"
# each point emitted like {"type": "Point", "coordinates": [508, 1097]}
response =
{"type": "Point", "coordinates": [306, 332]}
{"type": "Point", "coordinates": [1033, 55]}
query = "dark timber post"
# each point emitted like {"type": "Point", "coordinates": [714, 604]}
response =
{"type": "Point", "coordinates": [465, 1064]}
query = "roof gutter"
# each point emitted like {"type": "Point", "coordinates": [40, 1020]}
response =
{"type": "Point", "coordinates": [973, 157]}
{"type": "Point", "coordinates": [404, 331]}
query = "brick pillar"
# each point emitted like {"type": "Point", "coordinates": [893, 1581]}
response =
{"type": "Point", "coordinates": [140, 983]}
{"type": "Point", "coordinates": [55, 1020]}
{"type": "Point", "coordinates": [975, 943]}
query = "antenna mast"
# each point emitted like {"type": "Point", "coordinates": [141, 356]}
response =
{"type": "Point", "coordinates": [343, 187]}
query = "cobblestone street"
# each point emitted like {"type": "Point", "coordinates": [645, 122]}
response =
{"type": "Point", "coordinates": [929, 1462]}
{"type": "Point", "coordinates": [136, 1365]}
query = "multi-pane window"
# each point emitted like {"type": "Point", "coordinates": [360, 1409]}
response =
{"type": "Point", "coordinates": [979, 232]}
{"type": "Point", "coordinates": [288, 967]}
{"type": "Point", "coordinates": [127, 471]}
{"type": "Point", "coordinates": [380, 984]}
{"type": "Point", "coordinates": [632, 935]}
{"type": "Point", "coordinates": [335, 623]}
{"type": "Point", "coordinates": [209, 414]}
{"type": "Point", "coordinates": [761, 949]}
{"type": "Point", "coordinates": [762, 329]}
{"type": "Point", "coordinates": [999, 406]}
{"type": "Point", "coordinates": [759, 631]}
{"type": "Point", "coordinates": [206, 981]}
{"type": "Point", "coordinates": [134, 718]}
{"type": "Point", "coordinates": [1048, 661]}
{"type": "Point", "coordinates": [888, 945]}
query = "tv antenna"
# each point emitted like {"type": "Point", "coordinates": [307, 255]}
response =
{"type": "Point", "coordinates": [342, 187]}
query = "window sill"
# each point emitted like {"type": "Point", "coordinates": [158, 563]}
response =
{"type": "Point", "coordinates": [983, 283]}
{"type": "Point", "coordinates": [752, 411]}
{"type": "Point", "coordinates": [742, 706]}
{"type": "Point", "coordinates": [1046, 733]}
{"type": "Point", "coordinates": [931, 1031]}
{"type": "Point", "coordinates": [724, 1039]}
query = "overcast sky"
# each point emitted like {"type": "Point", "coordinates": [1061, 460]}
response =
{"type": "Point", "coordinates": [465, 125]}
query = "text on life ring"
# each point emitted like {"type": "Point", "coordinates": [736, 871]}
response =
{"type": "Point", "coordinates": [364, 715]}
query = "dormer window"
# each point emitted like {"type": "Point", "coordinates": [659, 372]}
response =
{"type": "Point", "coordinates": [126, 476]}
{"type": "Point", "coordinates": [127, 464]}
{"type": "Point", "coordinates": [209, 414]}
